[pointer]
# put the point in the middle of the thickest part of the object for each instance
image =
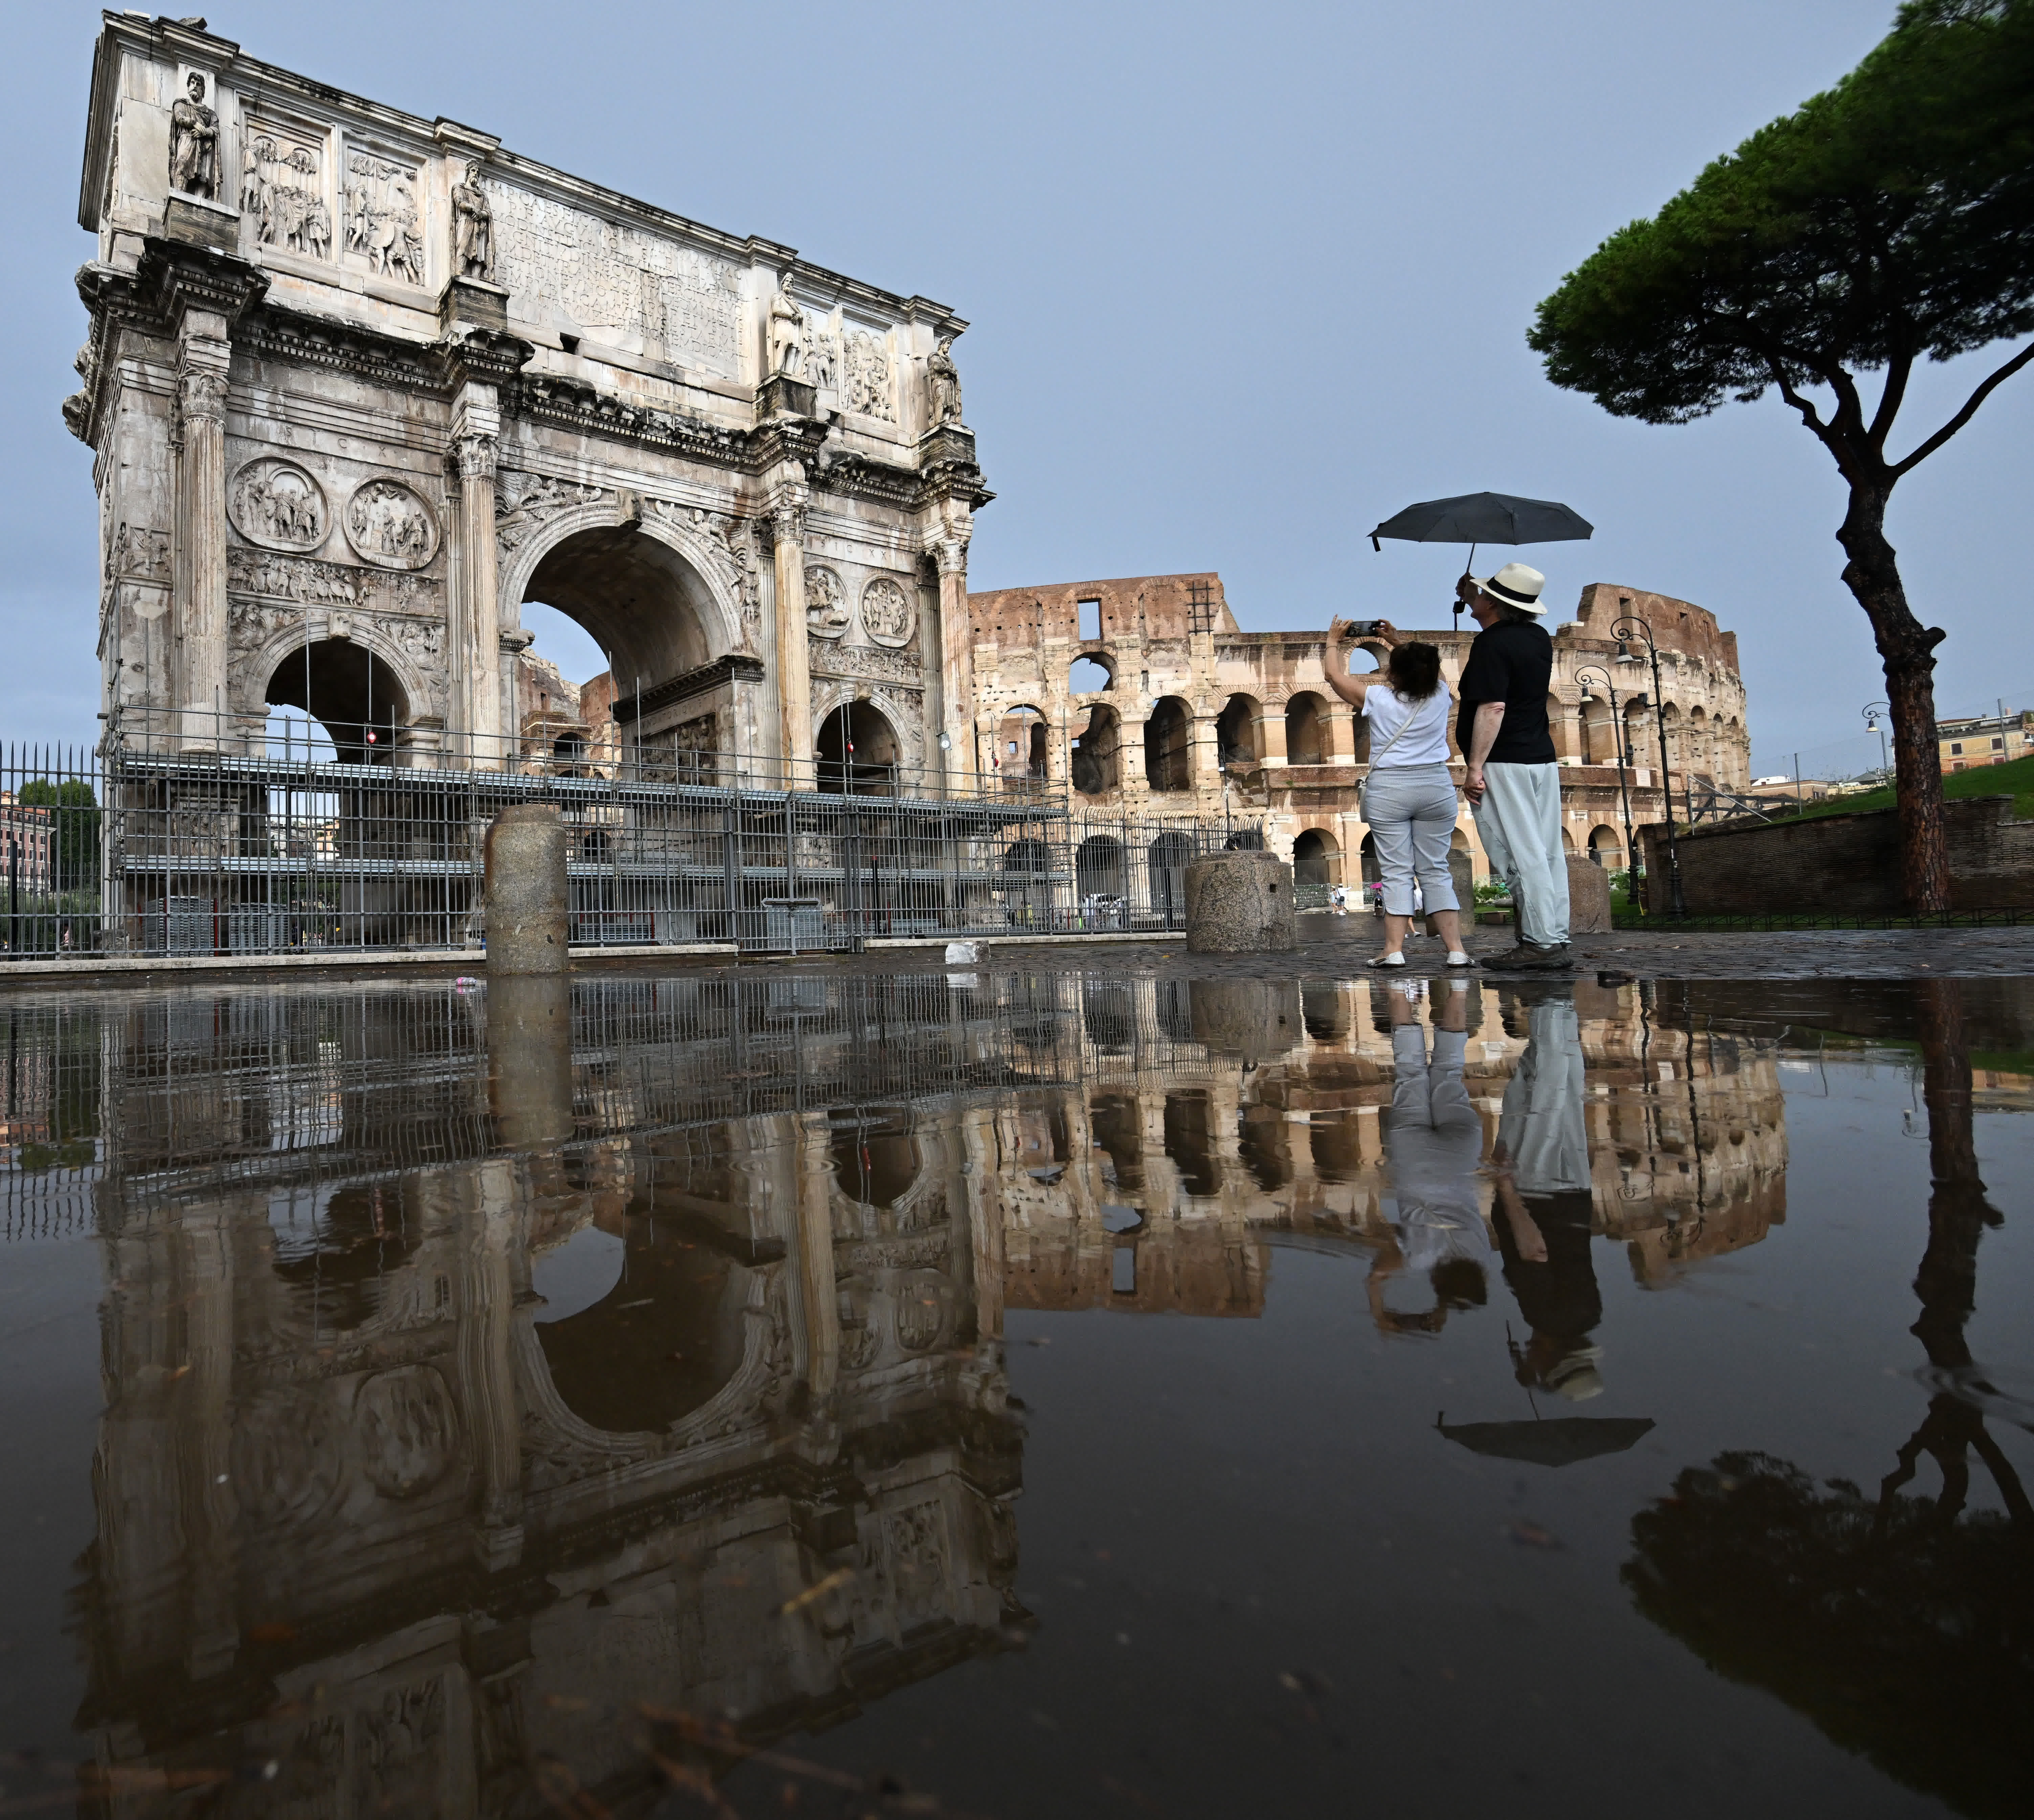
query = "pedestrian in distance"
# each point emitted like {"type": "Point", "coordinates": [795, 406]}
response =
{"type": "Point", "coordinates": [1409, 798]}
{"type": "Point", "coordinates": [1513, 784]}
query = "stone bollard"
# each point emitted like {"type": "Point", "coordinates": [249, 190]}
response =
{"type": "Point", "coordinates": [1588, 897]}
{"type": "Point", "coordinates": [1462, 875]}
{"type": "Point", "coordinates": [529, 1058]}
{"type": "Point", "coordinates": [526, 891]}
{"type": "Point", "coordinates": [1253, 1019]}
{"type": "Point", "coordinates": [1240, 903]}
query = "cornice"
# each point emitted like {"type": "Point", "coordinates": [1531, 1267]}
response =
{"type": "Point", "coordinates": [735, 667]}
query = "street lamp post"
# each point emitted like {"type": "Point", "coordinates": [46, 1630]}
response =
{"type": "Point", "coordinates": [1871, 715]}
{"type": "Point", "coordinates": [1635, 871]}
{"type": "Point", "coordinates": [1626, 630]}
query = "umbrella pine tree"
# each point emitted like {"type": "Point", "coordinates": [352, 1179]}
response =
{"type": "Point", "coordinates": [1887, 221]}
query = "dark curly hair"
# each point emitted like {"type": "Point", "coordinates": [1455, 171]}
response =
{"type": "Point", "coordinates": [1414, 671]}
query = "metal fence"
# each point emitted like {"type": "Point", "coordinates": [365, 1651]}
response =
{"type": "Point", "coordinates": [138, 848]}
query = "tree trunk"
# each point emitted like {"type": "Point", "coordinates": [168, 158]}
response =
{"type": "Point", "coordinates": [1907, 650]}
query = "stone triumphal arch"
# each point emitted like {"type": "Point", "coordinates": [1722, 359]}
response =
{"type": "Point", "coordinates": [359, 385]}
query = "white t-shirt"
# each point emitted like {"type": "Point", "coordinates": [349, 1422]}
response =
{"type": "Point", "coordinates": [1425, 742]}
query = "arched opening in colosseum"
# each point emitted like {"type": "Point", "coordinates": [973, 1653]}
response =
{"type": "Point", "coordinates": [875, 1157]}
{"type": "Point", "coordinates": [1336, 1141]}
{"type": "Point", "coordinates": [1100, 868]}
{"type": "Point", "coordinates": [636, 598]}
{"type": "Point", "coordinates": [1701, 758]}
{"type": "Point", "coordinates": [1023, 737]}
{"type": "Point", "coordinates": [1116, 1129]}
{"type": "Point", "coordinates": [1567, 837]}
{"type": "Point", "coordinates": [1109, 1015]}
{"type": "Point", "coordinates": [1599, 728]}
{"type": "Point", "coordinates": [1088, 672]}
{"type": "Point", "coordinates": [1235, 731]}
{"type": "Point", "coordinates": [1561, 725]}
{"type": "Point", "coordinates": [1306, 730]}
{"type": "Point", "coordinates": [858, 751]}
{"type": "Point", "coordinates": [1260, 1141]}
{"type": "Point", "coordinates": [640, 1325]}
{"type": "Point", "coordinates": [1606, 848]}
{"type": "Point", "coordinates": [1366, 860]}
{"type": "Point", "coordinates": [1639, 748]}
{"type": "Point", "coordinates": [1027, 881]}
{"type": "Point", "coordinates": [1316, 858]}
{"type": "Point", "coordinates": [1165, 866]}
{"type": "Point", "coordinates": [1189, 1141]}
{"type": "Point", "coordinates": [1677, 749]}
{"type": "Point", "coordinates": [1094, 766]}
{"type": "Point", "coordinates": [355, 696]}
{"type": "Point", "coordinates": [1323, 1011]}
{"type": "Point", "coordinates": [1167, 745]}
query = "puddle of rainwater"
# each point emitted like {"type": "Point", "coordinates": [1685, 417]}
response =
{"type": "Point", "coordinates": [1041, 1394]}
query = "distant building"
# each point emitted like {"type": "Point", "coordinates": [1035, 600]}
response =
{"type": "Point", "coordinates": [1964, 745]}
{"type": "Point", "coordinates": [26, 835]}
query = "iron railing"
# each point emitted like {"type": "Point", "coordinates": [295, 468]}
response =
{"type": "Point", "coordinates": [145, 847]}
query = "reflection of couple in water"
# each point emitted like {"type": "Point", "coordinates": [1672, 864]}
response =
{"type": "Point", "coordinates": [1434, 1144]}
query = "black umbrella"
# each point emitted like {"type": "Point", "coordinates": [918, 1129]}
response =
{"type": "Point", "coordinates": [1484, 518]}
{"type": "Point", "coordinates": [1558, 1443]}
{"type": "Point", "coordinates": [1477, 518]}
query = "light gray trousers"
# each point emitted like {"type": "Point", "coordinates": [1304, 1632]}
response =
{"type": "Point", "coordinates": [1519, 820]}
{"type": "Point", "coordinates": [1411, 809]}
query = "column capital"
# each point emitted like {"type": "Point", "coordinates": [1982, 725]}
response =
{"type": "Point", "coordinates": [477, 455]}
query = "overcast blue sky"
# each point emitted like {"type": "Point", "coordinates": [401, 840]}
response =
{"type": "Point", "coordinates": [1243, 280]}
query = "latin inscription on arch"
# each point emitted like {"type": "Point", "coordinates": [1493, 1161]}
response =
{"type": "Point", "coordinates": [602, 275]}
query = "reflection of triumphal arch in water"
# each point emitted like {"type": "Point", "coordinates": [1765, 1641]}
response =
{"type": "Point", "coordinates": [360, 384]}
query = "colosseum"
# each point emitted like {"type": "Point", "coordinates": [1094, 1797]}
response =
{"type": "Point", "coordinates": [1147, 700]}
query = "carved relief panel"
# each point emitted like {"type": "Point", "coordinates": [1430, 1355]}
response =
{"type": "Point", "coordinates": [887, 615]}
{"type": "Point", "coordinates": [867, 382]}
{"type": "Point", "coordinates": [825, 601]}
{"type": "Point", "coordinates": [282, 194]}
{"type": "Point", "coordinates": [384, 224]}
{"type": "Point", "coordinates": [277, 504]}
{"type": "Point", "coordinates": [389, 523]}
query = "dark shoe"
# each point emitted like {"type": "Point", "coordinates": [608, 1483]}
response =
{"type": "Point", "coordinates": [1526, 958]}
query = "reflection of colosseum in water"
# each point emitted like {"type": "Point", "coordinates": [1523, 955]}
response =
{"type": "Point", "coordinates": [423, 1463]}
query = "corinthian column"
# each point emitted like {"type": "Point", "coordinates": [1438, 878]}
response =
{"type": "Point", "coordinates": [794, 671]}
{"type": "Point", "coordinates": [956, 649]}
{"type": "Point", "coordinates": [475, 652]}
{"type": "Point", "coordinates": [199, 588]}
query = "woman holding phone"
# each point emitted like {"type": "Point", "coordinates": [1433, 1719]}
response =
{"type": "Point", "coordinates": [1409, 799]}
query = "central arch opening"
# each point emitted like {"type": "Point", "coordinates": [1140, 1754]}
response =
{"type": "Point", "coordinates": [635, 597]}
{"type": "Point", "coordinates": [355, 695]}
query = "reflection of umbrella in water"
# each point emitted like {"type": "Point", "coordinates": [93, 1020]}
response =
{"type": "Point", "coordinates": [1558, 1443]}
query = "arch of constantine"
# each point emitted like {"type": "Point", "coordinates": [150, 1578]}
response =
{"type": "Point", "coordinates": [359, 385]}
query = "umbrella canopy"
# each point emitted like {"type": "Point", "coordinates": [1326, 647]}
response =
{"type": "Point", "coordinates": [1484, 518]}
{"type": "Point", "coordinates": [1558, 1443]}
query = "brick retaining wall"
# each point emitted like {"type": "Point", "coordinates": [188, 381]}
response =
{"type": "Point", "coordinates": [1842, 864]}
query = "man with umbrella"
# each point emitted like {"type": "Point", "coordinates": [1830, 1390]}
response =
{"type": "Point", "coordinates": [1513, 784]}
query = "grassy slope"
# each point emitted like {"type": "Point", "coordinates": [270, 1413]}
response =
{"type": "Point", "coordinates": [2015, 780]}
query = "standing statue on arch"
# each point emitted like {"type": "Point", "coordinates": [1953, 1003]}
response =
{"type": "Point", "coordinates": [473, 227]}
{"type": "Point", "coordinates": [194, 144]}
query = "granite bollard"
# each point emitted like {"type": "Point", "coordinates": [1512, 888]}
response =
{"type": "Point", "coordinates": [1588, 897]}
{"type": "Point", "coordinates": [525, 893]}
{"type": "Point", "coordinates": [1255, 1020]}
{"type": "Point", "coordinates": [1240, 902]}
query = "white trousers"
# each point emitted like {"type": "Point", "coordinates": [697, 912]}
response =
{"type": "Point", "coordinates": [1519, 820]}
{"type": "Point", "coordinates": [1411, 809]}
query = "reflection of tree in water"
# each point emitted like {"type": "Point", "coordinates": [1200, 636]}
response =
{"type": "Point", "coordinates": [1903, 1625]}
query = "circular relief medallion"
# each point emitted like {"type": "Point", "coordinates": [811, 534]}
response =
{"type": "Point", "coordinates": [403, 1421]}
{"type": "Point", "coordinates": [886, 612]}
{"type": "Point", "coordinates": [826, 602]}
{"type": "Point", "coordinates": [389, 523]}
{"type": "Point", "coordinates": [276, 504]}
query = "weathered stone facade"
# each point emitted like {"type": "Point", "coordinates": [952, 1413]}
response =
{"type": "Point", "coordinates": [1199, 717]}
{"type": "Point", "coordinates": [360, 384]}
